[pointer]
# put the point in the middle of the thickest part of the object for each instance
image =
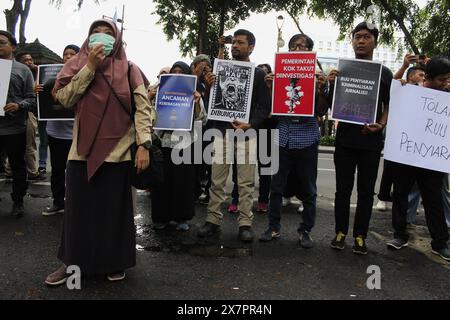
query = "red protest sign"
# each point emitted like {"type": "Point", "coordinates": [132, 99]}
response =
{"type": "Point", "coordinates": [294, 84]}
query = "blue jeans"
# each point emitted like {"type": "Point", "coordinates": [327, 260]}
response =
{"type": "Point", "coordinates": [303, 162]}
{"type": "Point", "coordinates": [446, 197]}
{"type": "Point", "coordinates": [413, 204]}
{"type": "Point", "coordinates": [43, 144]}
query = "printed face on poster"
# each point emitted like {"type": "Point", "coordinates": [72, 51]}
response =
{"type": "Point", "coordinates": [418, 132]}
{"type": "Point", "coordinates": [5, 76]}
{"type": "Point", "coordinates": [294, 84]}
{"type": "Point", "coordinates": [356, 91]}
{"type": "Point", "coordinates": [175, 102]}
{"type": "Point", "coordinates": [231, 94]}
{"type": "Point", "coordinates": [48, 109]}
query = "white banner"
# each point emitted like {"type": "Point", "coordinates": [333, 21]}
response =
{"type": "Point", "coordinates": [418, 132]}
{"type": "Point", "coordinates": [5, 75]}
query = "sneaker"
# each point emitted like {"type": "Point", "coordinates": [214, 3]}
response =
{"type": "Point", "coordinates": [38, 177]}
{"type": "Point", "coordinates": [295, 201]}
{"type": "Point", "coordinates": [397, 244]}
{"type": "Point", "coordinates": [203, 199]}
{"type": "Point", "coordinates": [50, 211]}
{"type": "Point", "coordinates": [208, 229]}
{"type": "Point", "coordinates": [301, 208]}
{"type": "Point", "coordinates": [183, 226]}
{"type": "Point", "coordinates": [381, 206]}
{"type": "Point", "coordinates": [306, 241]}
{"type": "Point", "coordinates": [117, 276]}
{"type": "Point", "coordinates": [286, 201]}
{"type": "Point", "coordinates": [262, 207]}
{"type": "Point", "coordinates": [17, 210]}
{"type": "Point", "coordinates": [269, 235]}
{"type": "Point", "coordinates": [444, 253]}
{"type": "Point", "coordinates": [338, 242]}
{"type": "Point", "coordinates": [246, 234]}
{"type": "Point", "coordinates": [232, 208]}
{"type": "Point", "coordinates": [159, 226]}
{"type": "Point", "coordinates": [360, 246]}
{"type": "Point", "coordinates": [58, 277]}
{"type": "Point", "coordinates": [42, 170]}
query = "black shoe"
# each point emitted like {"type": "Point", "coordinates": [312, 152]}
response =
{"type": "Point", "coordinates": [208, 229]}
{"type": "Point", "coordinates": [444, 253]}
{"type": "Point", "coordinates": [360, 246]}
{"type": "Point", "coordinates": [17, 211]}
{"type": "Point", "coordinates": [269, 235]}
{"type": "Point", "coordinates": [246, 234]}
{"type": "Point", "coordinates": [397, 244]}
{"type": "Point", "coordinates": [50, 211]}
{"type": "Point", "coordinates": [38, 177]}
{"type": "Point", "coordinates": [42, 170]}
{"type": "Point", "coordinates": [338, 242]}
{"type": "Point", "coordinates": [306, 241]}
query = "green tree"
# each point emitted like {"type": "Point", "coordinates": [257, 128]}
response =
{"type": "Point", "coordinates": [425, 30]}
{"type": "Point", "coordinates": [431, 28]}
{"type": "Point", "coordinates": [395, 15]}
{"type": "Point", "coordinates": [198, 23]}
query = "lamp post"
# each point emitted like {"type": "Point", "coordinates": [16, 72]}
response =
{"type": "Point", "coordinates": [280, 41]}
{"type": "Point", "coordinates": [119, 20]}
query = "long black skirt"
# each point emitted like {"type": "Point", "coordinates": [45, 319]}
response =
{"type": "Point", "coordinates": [98, 231]}
{"type": "Point", "coordinates": [174, 200]}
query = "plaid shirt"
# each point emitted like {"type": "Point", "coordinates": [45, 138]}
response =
{"type": "Point", "coordinates": [299, 133]}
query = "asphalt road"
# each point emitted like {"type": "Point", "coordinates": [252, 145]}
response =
{"type": "Point", "coordinates": [174, 265]}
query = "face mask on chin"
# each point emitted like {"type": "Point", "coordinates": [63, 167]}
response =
{"type": "Point", "coordinates": [102, 38]}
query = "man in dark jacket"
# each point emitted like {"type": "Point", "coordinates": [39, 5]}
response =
{"type": "Point", "coordinates": [242, 46]}
{"type": "Point", "coordinates": [13, 124]}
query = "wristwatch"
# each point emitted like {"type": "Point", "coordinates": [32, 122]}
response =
{"type": "Point", "coordinates": [147, 144]}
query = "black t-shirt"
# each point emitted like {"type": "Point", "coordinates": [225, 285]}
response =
{"type": "Point", "coordinates": [350, 135]}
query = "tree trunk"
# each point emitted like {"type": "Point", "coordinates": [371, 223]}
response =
{"type": "Point", "coordinates": [203, 25]}
{"type": "Point", "coordinates": [222, 20]}
{"type": "Point", "coordinates": [23, 21]}
{"type": "Point", "coordinates": [401, 23]}
{"type": "Point", "coordinates": [12, 16]}
{"type": "Point", "coordinates": [295, 20]}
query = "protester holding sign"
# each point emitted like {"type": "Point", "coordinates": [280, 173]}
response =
{"type": "Point", "coordinates": [174, 200]}
{"type": "Point", "coordinates": [423, 155]}
{"type": "Point", "coordinates": [358, 147]}
{"type": "Point", "coordinates": [243, 45]}
{"type": "Point", "coordinates": [59, 140]}
{"type": "Point", "coordinates": [19, 101]}
{"type": "Point", "coordinates": [33, 172]}
{"type": "Point", "coordinates": [98, 231]}
{"type": "Point", "coordinates": [416, 76]}
{"type": "Point", "coordinates": [298, 143]}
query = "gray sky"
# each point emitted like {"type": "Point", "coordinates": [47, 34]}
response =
{"type": "Point", "coordinates": [147, 45]}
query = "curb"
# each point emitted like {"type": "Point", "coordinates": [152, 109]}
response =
{"type": "Point", "coordinates": [326, 150]}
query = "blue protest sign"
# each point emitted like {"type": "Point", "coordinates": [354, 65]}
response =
{"type": "Point", "coordinates": [175, 102]}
